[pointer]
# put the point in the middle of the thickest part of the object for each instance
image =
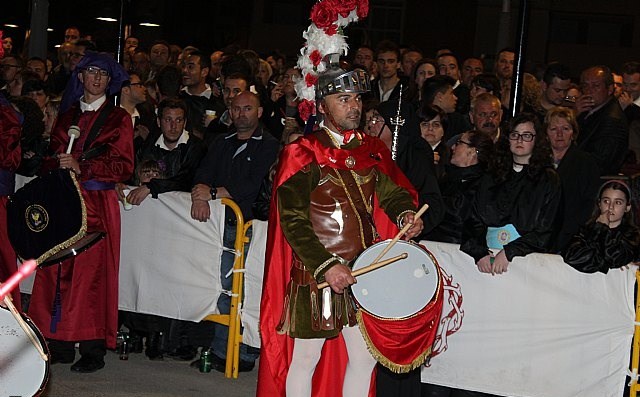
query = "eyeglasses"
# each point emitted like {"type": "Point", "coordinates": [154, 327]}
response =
{"type": "Point", "coordinates": [526, 136]}
{"type": "Point", "coordinates": [375, 119]}
{"type": "Point", "coordinates": [133, 84]}
{"type": "Point", "coordinates": [92, 70]}
{"type": "Point", "coordinates": [459, 141]}
{"type": "Point", "coordinates": [7, 66]}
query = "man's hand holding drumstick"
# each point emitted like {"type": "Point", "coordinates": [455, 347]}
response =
{"type": "Point", "coordinates": [416, 226]}
{"type": "Point", "coordinates": [339, 276]}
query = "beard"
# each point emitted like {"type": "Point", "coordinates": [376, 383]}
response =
{"type": "Point", "coordinates": [351, 121]}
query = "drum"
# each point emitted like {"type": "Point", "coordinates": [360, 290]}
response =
{"type": "Point", "coordinates": [22, 371]}
{"type": "Point", "coordinates": [47, 219]}
{"type": "Point", "coordinates": [400, 305]}
{"type": "Point", "coordinates": [398, 290]}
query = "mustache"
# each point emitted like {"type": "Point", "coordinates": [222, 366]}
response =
{"type": "Point", "coordinates": [489, 124]}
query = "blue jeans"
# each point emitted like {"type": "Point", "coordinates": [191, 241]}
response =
{"type": "Point", "coordinates": [219, 344]}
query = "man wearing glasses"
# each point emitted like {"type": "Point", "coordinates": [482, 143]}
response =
{"type": "Point", "coordinates": [77, 300]}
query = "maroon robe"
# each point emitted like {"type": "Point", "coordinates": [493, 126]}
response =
{"type": "Point", "coordinates": [89, 282]}
{"type": "Point", "coordinates": [10, 155]}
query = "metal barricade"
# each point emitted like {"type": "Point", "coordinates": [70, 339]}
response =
{"type": "Point", "coordinates": [232, 320]}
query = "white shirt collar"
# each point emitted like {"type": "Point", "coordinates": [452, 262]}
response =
{"type": "Point", "coordinates": [336, 136]}
{"type": "Point", "coordinates": [637, 101]}
{"type": "Point", "coordinates": [133, 115]}
{"type": "Point", "coordinates": [184, 138]}
{"type": "Point", "coordinates": [93, 106]}
{"type": "Point", "coordinates": [206, 93]}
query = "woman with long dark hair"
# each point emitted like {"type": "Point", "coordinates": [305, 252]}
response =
{"type": "Point", "coordinates": [610, 239]}
{"type": "Point", "coordinates": [516, 204]}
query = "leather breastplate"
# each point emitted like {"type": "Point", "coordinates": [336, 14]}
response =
{"type": "Point", "coordinates": [340, 210]}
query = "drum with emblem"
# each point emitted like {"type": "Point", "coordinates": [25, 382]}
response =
{"type": "Point", "coordinates": [400, 304]}
{"type": "Point", "coordinates": [47, 219]}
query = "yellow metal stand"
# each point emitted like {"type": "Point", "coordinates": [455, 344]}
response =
{"type": "Point", "coordinates": [232, 320]}
{"type": "Point", "coordinates": [635, 351]}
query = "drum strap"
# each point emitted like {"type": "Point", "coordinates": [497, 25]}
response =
{"type": "Point", "coordinates": [56, 310]}
{"type": "Point", "coordinates": [89, 153]}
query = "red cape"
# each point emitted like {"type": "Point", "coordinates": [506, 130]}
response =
{"type": "Point", "coordinates": [276, 350]}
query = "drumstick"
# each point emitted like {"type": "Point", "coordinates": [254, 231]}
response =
{"type": "Point", "coordinates": [401, 233]}
{"type": "Point", "coordinates": [370, 268]}
{"type": "Point", "coordinates": [74, 132]}
{"type": "Point", "coordinates": [24, 326]}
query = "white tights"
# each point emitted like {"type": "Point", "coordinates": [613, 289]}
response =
{"type": "Point", "coordinates": [306, 354]}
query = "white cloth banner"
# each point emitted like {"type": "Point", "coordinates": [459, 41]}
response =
{"type": "Point", "coordinates": [541, 329]}
{"type": "Point", "coordinates": [170, 263]}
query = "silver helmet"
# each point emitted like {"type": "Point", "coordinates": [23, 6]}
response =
{"type": "Point", "coordinates": [336, 80]}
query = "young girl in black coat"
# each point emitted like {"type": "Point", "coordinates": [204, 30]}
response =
{"type": "Point", "coordinates": [610, 239]}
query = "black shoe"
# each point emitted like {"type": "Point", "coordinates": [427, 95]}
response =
{"type": "Point", "coordinates": [136, 344]}
{"type": "Point", "coordinates": [184, 353]}
{"type": "Point", "coordinates": [88, 364]}
{"type": "Point", "coordinates": [246, 366]}
{"type": "Point", "coordinates": [153, 350]}
{"type": "Point", "coordinates": [219, 364]}
{"type": "Point", "coordinates": [56, 359]}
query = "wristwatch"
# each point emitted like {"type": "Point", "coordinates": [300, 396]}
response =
{"type": "Point", "coordinates": [214, 192]}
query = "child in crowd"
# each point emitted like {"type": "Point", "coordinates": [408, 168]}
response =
{"type": "Point", "coordinates": [610, 239]}
{"type": "Point", "coordinates": [148, 170]}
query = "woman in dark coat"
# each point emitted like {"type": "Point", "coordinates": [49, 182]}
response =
{"type": "Point", "coordinates": [516, 204]}
{"type": "Point", "coordinates": [470, 159]}
{"type": "Point", "coordinates": [579, 175]}
{"type": "Point", "coordinates": [433, 123]}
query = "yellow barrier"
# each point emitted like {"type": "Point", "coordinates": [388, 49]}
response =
{"type": "Point", "coordinates": [232, 320]}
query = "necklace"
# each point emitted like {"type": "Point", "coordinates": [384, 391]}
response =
{"type": "Point", "coordinates": [333, 139]}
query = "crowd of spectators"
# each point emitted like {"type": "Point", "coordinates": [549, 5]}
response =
{"type": "Point", "coordinates": [534, 178]}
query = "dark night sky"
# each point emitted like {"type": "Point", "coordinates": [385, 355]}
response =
{"type": "Point", "coordinates": [218, 22]}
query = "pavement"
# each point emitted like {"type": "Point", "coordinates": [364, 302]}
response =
{"type": "Point", "coordinates": [141, 377]}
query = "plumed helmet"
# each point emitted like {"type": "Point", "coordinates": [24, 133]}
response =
{"type": "Point", "coordinates": [336, 80]}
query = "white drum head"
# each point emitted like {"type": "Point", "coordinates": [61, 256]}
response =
{"type": "Point", "coordinates": [22, 371]}
{"type": "Point", "coordinates": [400, 289]}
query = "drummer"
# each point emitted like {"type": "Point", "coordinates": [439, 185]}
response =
{"type": "Point", "coordinates": [337, 191]}
{"type": "Point", "coordinates": [77, 301]}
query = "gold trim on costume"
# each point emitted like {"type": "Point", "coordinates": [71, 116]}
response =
{"type": "Point", "coordinates": [334, 258]}
{"type": "Point", "coordinates": [364, 179]}
{"type": "Point", "coordinates": [400, 220]}
{"type": "Point", "coordinates": [81, 233]}
{"type": "Point", "coordinates": [331, 178]}
{"type": "Point", "coordinates": [382, 359]}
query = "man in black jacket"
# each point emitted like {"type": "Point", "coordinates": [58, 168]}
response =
{"type": "Point", "coordinates": [603, 125]}
{"type": "Point", "coordinates": [176, 152]}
